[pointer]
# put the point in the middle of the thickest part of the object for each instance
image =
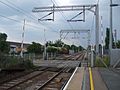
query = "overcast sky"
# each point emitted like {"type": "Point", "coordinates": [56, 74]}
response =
{"type": "Point", "coordinates": [34, 31]}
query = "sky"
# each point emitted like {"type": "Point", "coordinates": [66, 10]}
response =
{"type": "Point", "coordinates": [13, 13]}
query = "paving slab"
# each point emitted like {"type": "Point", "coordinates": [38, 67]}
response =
{"type": "Point", "coordinates": [87, 79]}
{"type": "Point", "coordinates": [99, 83]}
{"type": "Point", "coordinates": [76, 81]}
{"type": "Point", "coordinates": [111, 78]}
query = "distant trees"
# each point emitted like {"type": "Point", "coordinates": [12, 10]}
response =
{"type": "Point", "coordinates": [60, 47]}
{"type": "Point", "coordinates": [118, 44]}
{"type": "Point", "coordinates": [4, 46]}
{"type": "Point", "coordinates": [107, 39]}
{"type": "Point", "coordinates": [35, 48]}
{"type": "Point", "coordinates": [53, 47]}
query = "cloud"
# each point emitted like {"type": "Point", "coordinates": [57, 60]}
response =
{"type": "Point", "coordinates": [35, 30]}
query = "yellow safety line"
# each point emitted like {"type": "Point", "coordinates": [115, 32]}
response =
{"type": "Point", "coordinates": [91, 79]}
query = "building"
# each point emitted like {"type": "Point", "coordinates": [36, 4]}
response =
{"type": "Point", "coordinates": [15, 47]}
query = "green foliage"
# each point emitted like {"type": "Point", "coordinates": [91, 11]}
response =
{"type": "Point", "coordinates": [49, 43]}
{"type": "Point", "coordinates": [51, 49]}
{"type": "Point", "coordinates": [58, 43]}
{"type": "Point", "coordinates": [60, 47]}
{"type": "Point", "coordinates": [3, 37]}
{"type": "Point", "coordinates": [35, 48]}
{"type": "Point", "coordinates": [75, 48]}
{"type": "Point", "coordinates": [118, 44]}
{"type": "Point", "coordinates": [107, 38]}
{"type": "Point", "coordinates": [67, 46]}
{"type": "Point", "coordinates": [27, 64]}
{"type": "Point", "coordinates": [81, 48]}
{"type": "Point", "coordinates": [15, 62]}
{"type": "Point", "coordinates": [99, 63]}
{"type": "Point", "coordinates": [4, 47]}
{"type": "Point", "coordinates": [7, 61]}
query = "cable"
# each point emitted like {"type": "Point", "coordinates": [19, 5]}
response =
{"type": "Point", "coordinates": [9, 6]}
{"type": "Point", "coordinates": [21, 10]}
{"type": "Point", "coordinates": [54, 2]}
{"type": "Point", "coordinates": [18, 21]}
{"type": "Point", "coordinates": [16, 8]}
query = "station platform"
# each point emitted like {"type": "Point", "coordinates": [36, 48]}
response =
{"type": "Point", "coordinates": [75, 82]}
{"type": "Point", "coordinates": [85, 78]}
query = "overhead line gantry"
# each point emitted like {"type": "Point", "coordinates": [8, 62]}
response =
{"type": "Point", "coordinates": [94, 8]}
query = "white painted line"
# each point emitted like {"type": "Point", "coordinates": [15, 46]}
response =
{"type": "Point", "coordinates": [70, 79]}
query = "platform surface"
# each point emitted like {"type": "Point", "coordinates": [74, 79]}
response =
{"type": "Point", "coordinates": [76, 81]}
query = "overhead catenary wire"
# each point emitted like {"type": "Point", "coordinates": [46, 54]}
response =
{"type": "Point", "coordinates": [20, 10]}
{"type": "Point", "coordinates": [18, 21]}
{"type": "Point", "coordinates": [54, 2]}
{"type": "Point", "coordinates": [24, 12]}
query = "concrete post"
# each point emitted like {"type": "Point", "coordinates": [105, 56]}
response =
{"type": "Point", "coordinates": [92, 58]}
{"type": "Point", "coordinates": [97, 29]}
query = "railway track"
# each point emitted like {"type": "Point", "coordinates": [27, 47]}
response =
{"type": "Point", "coordinates": [10, 75]}
{"type": "Point", "coordinates": [57, 82]}
{"type": "Point", "coordinates": [77, 56]}
{"type": "Point", "coordinates": [36, 80]}
{"type": "Point", "coordinates": [11, 83]}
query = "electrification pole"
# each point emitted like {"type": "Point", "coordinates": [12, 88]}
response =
{"type": "Point", "coordinates": [23, 34]}
{"type": "Point", "coordinates": [97, 29]}
{"type": "Point", "coordinates": [102, 37]}
{"type": "Point", "coordinates": [110, 36]}
{"type": "Point", "coordinates": [45, 55]}
{"type": "Point", "coordinates": [115, 35]}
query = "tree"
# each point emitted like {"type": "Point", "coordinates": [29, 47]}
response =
{"type": "Point", "coordinates": [49, 43]}
{"type": "Point", "coordinates": [107, 38]}
{"type": "Point", "coordinates": [51, 49]}
{"type": "Point", "coordinates": [58, 43]}
{"type": "Point", "coordinates": [118, 44]}
{"type": "Point", "coordinates": [67, 46]}
{"type": "Point", "coordinates": [35, 48]}
{"type": "Point", "coordinates": [75, 48]}
{"type": "Point", "coordinates": [81, 48]}
{"type": "Point", "coordinates": [4, 46]}
{"type": "Point", "coordinates": [60, 47]}
{"type": "Point", "coordinates": [3, 37]}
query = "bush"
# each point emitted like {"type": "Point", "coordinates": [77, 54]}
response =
{"type": "Point", "coordinates": [27, 64]}
{"type": "Point", "coordinates": [99, 63]}
{"type": "Point", "coordinates": [15, 62]}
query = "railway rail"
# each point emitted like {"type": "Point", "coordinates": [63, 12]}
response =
{"type": "Point", "coordinates": [57, 81]}
{"type": "Point", "coordinates": [77, 56]}
{"type": "Point", "coordinates": [37, 79]}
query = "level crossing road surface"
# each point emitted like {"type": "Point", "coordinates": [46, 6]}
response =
{"type": "Point", "coordinates": [56, 63]}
